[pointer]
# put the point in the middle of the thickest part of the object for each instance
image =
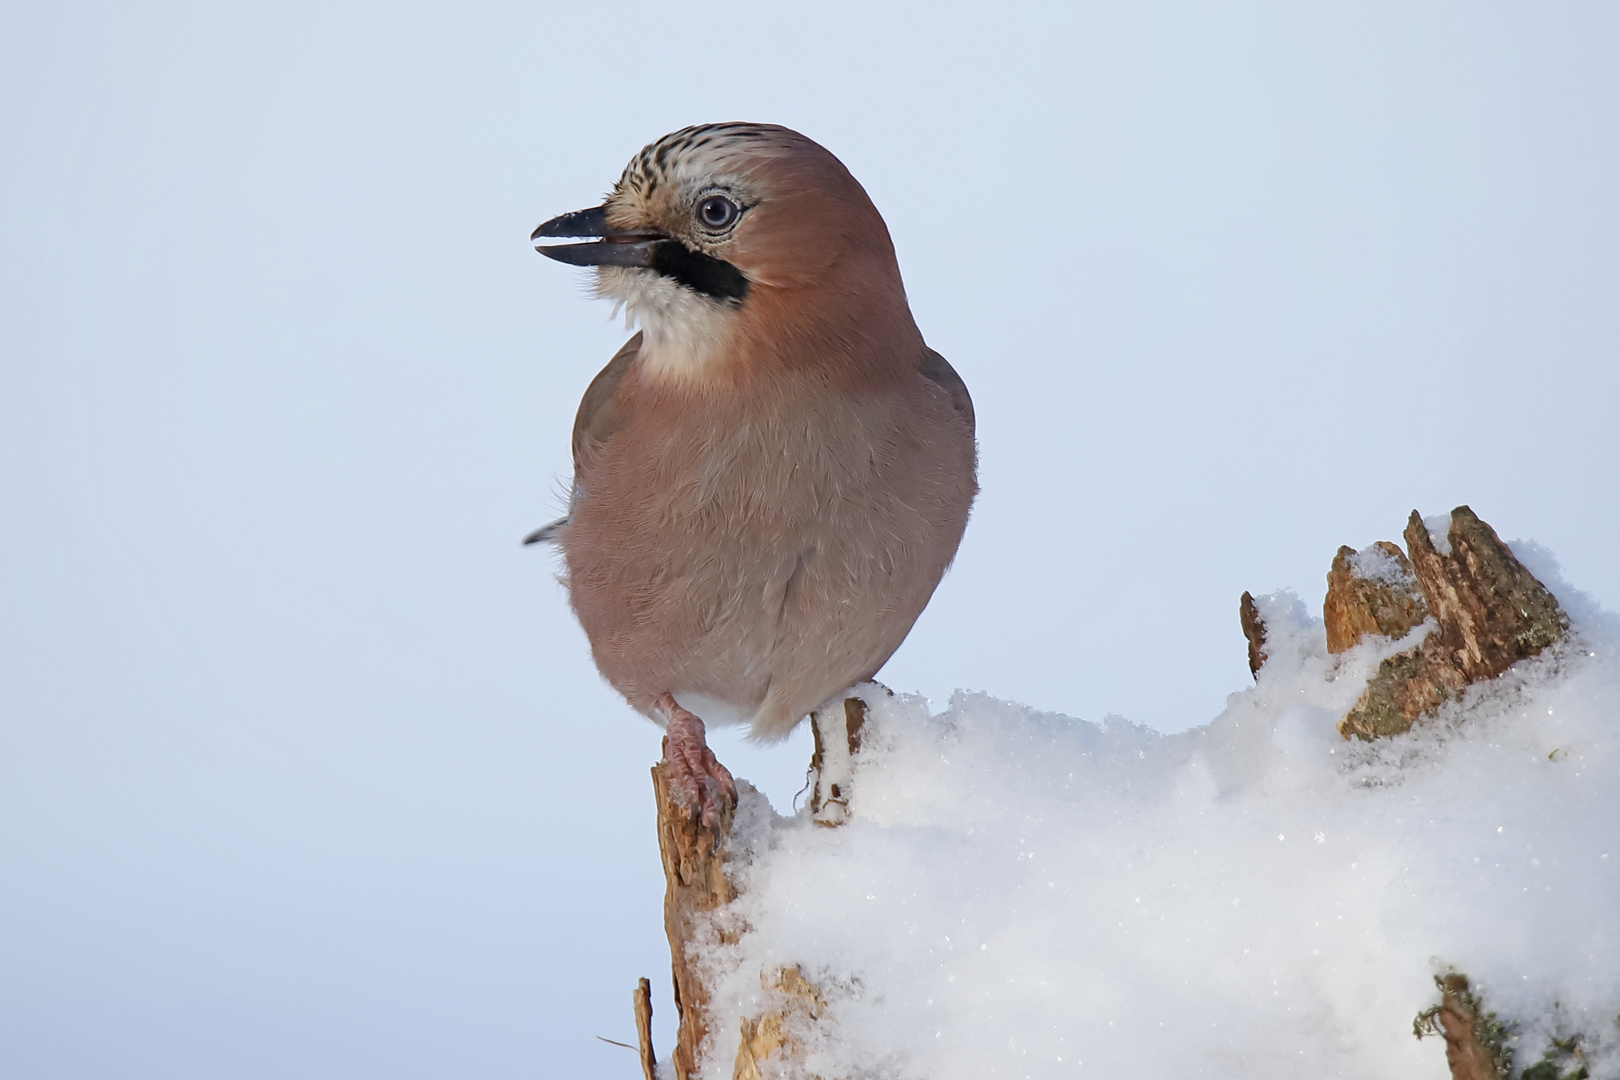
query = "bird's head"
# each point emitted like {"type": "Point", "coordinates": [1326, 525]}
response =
{"type": "Point", "coordinates": [724, 233]}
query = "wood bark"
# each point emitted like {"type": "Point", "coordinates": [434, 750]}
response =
{"type": "Point", "coordinates": [1490, 613]}
{"type": "Point", "coordinates": [642, 1002]}
{"type": "Point", "coordinates": [1254, 631]}
{"type": "Point", "coordinates": [1360, 604]}
{"type": "Point", "coordinates": [770, 1041]}
{"type": "Point", "coordinates": [837, 734]}
{"type": "Point", "coordinates": [695, 883]}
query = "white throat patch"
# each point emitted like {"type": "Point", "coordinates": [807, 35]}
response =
{"type": "Point", "coordinates": [683, 333]}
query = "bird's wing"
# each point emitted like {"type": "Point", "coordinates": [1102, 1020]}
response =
{"type": "Point", "coordinates": [598, 418]}
{"type": "Point", "coordinates": [936, 369]}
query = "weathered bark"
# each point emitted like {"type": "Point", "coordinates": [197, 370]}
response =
{"type": "Point", "coordinates": [1406, 686]}
{"type": "Point", "coordinates": [1254, 631]}
{"type": "Point", "coordinates": [695, 883]}
{"type": "Point", "coordinates": [642, 1001]}
{"type": "Point", "coordinates": [770, 1041]}
{"type": "Point", "coordinates": [837, 734]}
{"type": "Point", "coordinates": [1491, 612]}
{"type": "Point", "coordinates": [1371, 592]}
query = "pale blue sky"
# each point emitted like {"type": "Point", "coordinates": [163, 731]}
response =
{"type": "Point", "coordinates": [304, 769]}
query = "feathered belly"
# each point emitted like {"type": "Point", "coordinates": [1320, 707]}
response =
{"type": "Point", "coordinates": [765, 574]}
{"type": "Point", "coordinates": [744, 597]}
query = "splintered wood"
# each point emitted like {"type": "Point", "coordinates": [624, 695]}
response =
{"type": "Point", "coordinates": [1371, 592]}
{"type": "Point", "coordinates": [1486, 610]}
{"type": "Point", "coordinates": [1490, 612]}
{"type": "Point", "coordinates": [770, 1040]}
{"type": "Point", "coordinates": [642, 1003]}
{"type": "Point", "coordinates": [696, 883]}
{"type": "Point", "coordinates": [1254, 629]}
{"type": "Point", "coordinates": [837, 735]}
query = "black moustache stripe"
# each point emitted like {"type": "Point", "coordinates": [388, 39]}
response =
{"type": "Point", "coordinates": [700, 272]}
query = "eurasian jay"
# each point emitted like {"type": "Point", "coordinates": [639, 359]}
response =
{"type": "Point", "coordinates": [772, 476]}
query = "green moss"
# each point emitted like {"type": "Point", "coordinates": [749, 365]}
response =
{"type": "Point", "coordinates": [1490, 1033]}
{"type": "Point", "coordinates": [1562, 1053]}
{"type": "Point", "coordinates": [1562, 1060]}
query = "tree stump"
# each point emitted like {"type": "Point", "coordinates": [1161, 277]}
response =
{"type": "Point", "coordinates": [695, 883]}
{"type": "Point", "coordinates": [1489, 613]}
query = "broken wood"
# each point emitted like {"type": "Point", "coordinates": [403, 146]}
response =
{"type": "Point", "coordinates": [1406, 686]}
{"type": "Point", "coordinates": [837, 734]}
{"type": "Point", "coordinates": [642, 1001]}
{"type": "Point", "coordinates": [1371, 592]}
{"type": "Point", "coordinates": [1488, 612]}
{"type": "Point", "coordinates": [1492, 611]}
{"type": "Point", "coordinates": [695, 883]}
{"type": "Point", "coordinates": [1254, 631]}
{"type": "Point", "coordinates": [773, 1038]}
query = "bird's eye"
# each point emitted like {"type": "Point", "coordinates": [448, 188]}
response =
{"type": "Point", "coordinates": [717, 211]}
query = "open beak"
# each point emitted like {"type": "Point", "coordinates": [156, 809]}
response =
{"type": "Point", "coordinates": [612, 247]}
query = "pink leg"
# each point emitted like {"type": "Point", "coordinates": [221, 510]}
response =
{"type": "Point", "coordinates": [697, 780]}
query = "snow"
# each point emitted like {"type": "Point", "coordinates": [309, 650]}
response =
{"type": "Point", "coordinates": [1439, 527]}
{"type": "Point", "coordinates": [1373, 563]}
{"type": "Point", "coordinates": [1022, 894]}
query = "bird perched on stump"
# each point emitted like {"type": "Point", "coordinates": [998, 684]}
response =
{"type": "Point", "coordinates": [772, 476]}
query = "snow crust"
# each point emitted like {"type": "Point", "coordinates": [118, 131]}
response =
{"type": "Point", "coordinates": [1373, 563]}
{"type": "Point", "coordinates": [1022, 894]}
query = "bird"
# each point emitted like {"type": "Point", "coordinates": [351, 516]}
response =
{"type": "Point", "coordinates": [774, 473]}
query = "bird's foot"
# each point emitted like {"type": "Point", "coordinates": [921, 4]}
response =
{"type": "Point", "coordinates": [697, 780]}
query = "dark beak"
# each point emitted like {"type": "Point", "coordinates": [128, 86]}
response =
{"type": "Point", "coordinates": [614, 247]}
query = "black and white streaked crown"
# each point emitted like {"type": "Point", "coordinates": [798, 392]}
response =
{"type": "Point", "coordinates": [689, 154]}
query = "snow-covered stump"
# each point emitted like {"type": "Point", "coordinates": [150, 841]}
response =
{"type": "Point", "coordinates": [1489, 613]}
{"type": "Point", "coordinates": [695, 884]}
{"type": "Point", "coordinates": [1276, 893]}
{"type": "Point", "coordinates": [1472, 610]}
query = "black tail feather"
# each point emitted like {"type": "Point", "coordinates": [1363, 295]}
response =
{"type": "Point", "coordinates": [546, 533]}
